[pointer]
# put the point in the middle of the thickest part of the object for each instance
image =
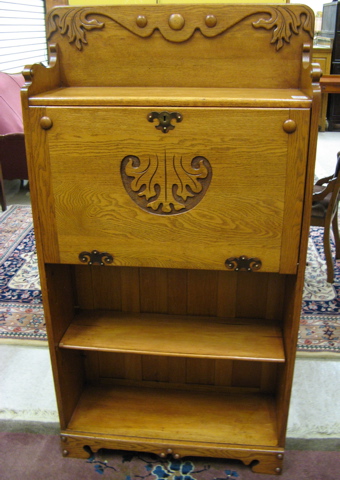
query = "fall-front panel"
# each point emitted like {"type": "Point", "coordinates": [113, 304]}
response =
{"type": "Point", "coordinates": [189, 188]}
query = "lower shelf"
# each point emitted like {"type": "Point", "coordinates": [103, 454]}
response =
{"type": "Point", "coordinates": [167, 415]}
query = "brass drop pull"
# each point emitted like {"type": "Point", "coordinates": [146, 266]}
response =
{"type": "Point", "coordinates": [46, 123]}
{"type": "Point", "coordinates": [164, 119]}
{"type": "Point", "coordinates": [95, 258]}
{"type": "Point", "coordinates": [243, 263]}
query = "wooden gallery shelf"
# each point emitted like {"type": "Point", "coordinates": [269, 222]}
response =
{"type": "Point", "coordinates": [175, 335]}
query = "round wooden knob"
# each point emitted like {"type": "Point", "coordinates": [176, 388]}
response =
{"type": "Point", "coordinates": [289, 126]}
{"type": "Point", "coordinates": [210, 21]}
{"type": "Point", "coordinates": [177, 456]}
{"type": "Point", "coordinates": [162, 455]}
{"type": "Point", "coordinates": [46, 123]}
{"type": "Point", "coordinates": [176, 21]}
{"type": "Point", "coordinates": [142, 21]}
{"type": "Point", "coordinates": [169, 450]}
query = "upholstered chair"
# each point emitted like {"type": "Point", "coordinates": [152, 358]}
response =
{"type": "Point", "coordinates": [13, 163]}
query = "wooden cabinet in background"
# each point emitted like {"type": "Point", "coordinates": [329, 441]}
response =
{"type": "Point", "coordinates": [171, 154]}
{"type": "Point", "coordinates": [331, 29]}
{"type": "Point", "coordinates": [322, 54]}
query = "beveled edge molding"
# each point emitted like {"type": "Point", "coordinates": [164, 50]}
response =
{"type": "Point", "coordinates": [284, 20]}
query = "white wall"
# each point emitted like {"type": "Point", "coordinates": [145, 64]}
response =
{"type": "Point", "coordinates": [315, 5]}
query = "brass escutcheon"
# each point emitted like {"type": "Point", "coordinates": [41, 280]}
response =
{"type": "Point", "coordinates": [243, 263]}
{"type": "Point", "coordinates": [164, 119]}
{"type": "Point", "coordinates": [96, 258]}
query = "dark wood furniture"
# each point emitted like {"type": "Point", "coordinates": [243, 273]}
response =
{"type": "Point", "coordinates": [171, 155]}
{"type": "Point", "coordinates": [322, 54]}
{"type": "Point", "coordinates": [331, 29]}
{"type": "Point", "coordinates": [330, 83]}
{"type": "Point", "coordinates": [325, 214]}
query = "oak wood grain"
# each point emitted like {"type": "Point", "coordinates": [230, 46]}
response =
{"type": "Point", "coordinates": [223, 375]}
{"type": "Point", "coordinates": [140, 413]}
{"type": "Point", "coordinates": [294, 197]}
{"type": "Point", "coordinates": [175, 335]}
{"type": "Point", "coordinates": [40, 176]}
{"type": "Point", "coordinates": [199, 55]}
{"type": "Point", "coordinates": [165, 348]}
{"type": "Point", "coordinates": [264, 459]}
{"type": "Point", "coordinates": [174, 97]}
{"type": "Point", "coordinates": [202, 237]}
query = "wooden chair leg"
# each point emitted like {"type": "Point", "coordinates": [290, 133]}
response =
{"type": "Point", "coordinates": [335, 226]}
{"type": "Point", "coordinates": [2, 192]}
{"type": "Point", "coordinates": [328, 254]}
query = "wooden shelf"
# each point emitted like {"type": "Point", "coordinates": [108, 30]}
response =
{"type": "Point", "coordinates": [172, 335]}
{"type": "Point", "coordinates": [168, 415]}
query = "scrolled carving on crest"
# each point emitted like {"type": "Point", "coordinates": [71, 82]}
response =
{"type": "Point", "coordinates": [73, 23]}
{"type": "Point", "coordinates": [284, 20]}
{"type": "Point", "coordinates": [166, 185]}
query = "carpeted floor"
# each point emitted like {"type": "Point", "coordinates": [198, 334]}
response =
{"type": "Point", "coordinates": [26, 456]}
{"type": "Point", "coordinates": [21, 313]}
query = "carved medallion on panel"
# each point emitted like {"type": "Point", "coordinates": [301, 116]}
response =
{"type": "Point", "coordinates": [167, 184]}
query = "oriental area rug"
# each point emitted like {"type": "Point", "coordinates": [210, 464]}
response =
{"type": "Point", "coordinates": [21, 312]}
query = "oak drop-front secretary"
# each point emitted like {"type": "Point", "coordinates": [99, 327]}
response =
{"type": "Point", "coordinates": [171, 154]}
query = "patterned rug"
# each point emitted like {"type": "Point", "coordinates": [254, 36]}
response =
{"type": "Point", "coordinates": [21, 313]}
{"type": "Point", "coordinates": [320, 316]}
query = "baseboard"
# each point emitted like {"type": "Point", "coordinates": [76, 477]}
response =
{"type": "Point", "coordinates": [317, 444]}
{"type": "Point", "coordinates": [22, 426]}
